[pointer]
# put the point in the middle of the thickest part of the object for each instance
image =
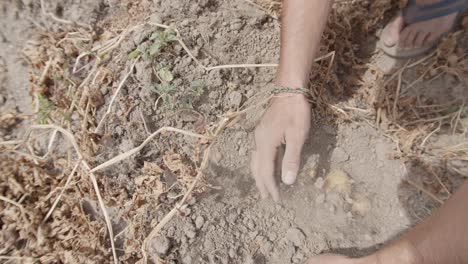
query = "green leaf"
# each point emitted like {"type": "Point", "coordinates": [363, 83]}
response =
{"type": "Point", "coordinates": [134, 54]}
{"type": "Point", "coordinates": [155, 48]}
{"type": "Point", "coordinates": [165, 75]}
{"type": "Point", "coordinates": [198, 83]}
{"type": "Point", "coordinates": [171, 37]}
{"type": "Point", "coordinates": [155, 35]}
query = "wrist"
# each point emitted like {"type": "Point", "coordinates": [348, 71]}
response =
{"type": "Point", "coordinates": [401, 252]}
{"type": "Point", "coordinates": [290, 81]}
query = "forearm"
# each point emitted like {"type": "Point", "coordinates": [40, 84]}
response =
{"type": "Point", "coordinates": [302, 25]}
{"type": "Point", "coordinates": [442, 238]}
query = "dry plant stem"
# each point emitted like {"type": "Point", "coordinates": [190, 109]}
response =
{"type": "Point", "coordinates": [258, 6]}
{"type": "Point", "coordinates": [457, 118]}
{"type": "Point", "coordinates": [147, 140]}
{"type": "Point", "coordinates": [397, 96]}
{"type": "Point", "coordinates": [46, 70]}
{"type": "Point", "coordinates": [69, 178]}
{"type": "Point", "coordinates": [71, 139]}
{"type": "Point", "coordinates": [23, 211]}
{"type": "Point", "coordinates": [439, 181]}
{"type": "Point", "coordinates": [422, 59]}
{"type": "Point", "coordinates": [174, 210]}
{"type": "Point", "coordinates": [144, 122]}
{"type": "Point", "coordinates": [111, 103]}
{"type": "Point", "coordinates": [430, 134]}
{"type": "Point", "coordinates": [59, 19]}
{"type": "Point", "coordinates": [428, 193]}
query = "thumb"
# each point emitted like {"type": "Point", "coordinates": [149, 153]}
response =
{"type": "Point", "coordinates": [292, 157]}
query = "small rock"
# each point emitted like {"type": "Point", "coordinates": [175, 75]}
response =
{"type": "Point", "coordinates": [332, 208]}
{"type": "Point", "coordinates": [187, 211]}
{"type": "Point", "coordinates": [161, 245]}
{"type": "Point", "coordinates": [199, 222]}
{"type": "Point", "coordinates": [250, 224]}
{"type": "Point", "coordinates": [295, 236]}
{"type": "Point", "coordinates": [249, 93]}
{"type": "Point", "coordinates": [361, 206]}
{"type": "Point", "coordinates": [235, 98]}
{"type": "Point", "coordinates": [319, 183]}
{"type": "Point", "coordinates": [192, 201]}
{"type": "Point", "coordinates": [236, 24]}
{"type": "Point", "coordinates": [266, 248]}
{"type": "Point", "coordinates": [320, 198]}
{"type": "Point", "coordinates": [187, 260]}
{"type": "Point", "coordinates": [339, 181]}
{"type": "Point", "coordinates": [216, 156]}
{"type": "Point", "coordinates": [104, 90]}
{"type": "Point", "coordinates": [232, 253]}
{"type": "Point", "coordinates": [272, 236]}
{"type": "Point", "coordinates": [340, 155]}
{"type": "Point", "coordinates": [367, 237]}
{"type": "Point", "coordinates": [313, 172]}
{"type": "Point", "coordinates": [232, 217]}
{"type": "Point", "coordinates": [171, 231]}
{"type": "Point", "coordinates": [2, 99]}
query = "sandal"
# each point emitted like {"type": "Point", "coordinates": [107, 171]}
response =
{"type": "Point", "coordinates": [414, 13]}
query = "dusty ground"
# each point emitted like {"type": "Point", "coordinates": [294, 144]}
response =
{"type": "Point", "coordinates": [356, 134]}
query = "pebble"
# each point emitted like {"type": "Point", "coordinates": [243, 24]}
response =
{"type": "Point", "coordinates": [104, 90]}
{"type": "Point", "coordinates": [319, 183]}
{"type": "Point", "coordinates": [320, 198]}
{"type": "Point", "coordinates": [187, 211]}
{"type": "Point", "coordinates": [250, 224]}
{"type": "Point", "coordinates": [267, 248]}
{"type": "Point", "coordinates": [340, 155]}
{"type": "Point", "coordinates": [199, 222]}
{"type": "Point", "coordinates": [235, 98]}
{"type": "Point", "coordinates": [249, 93]}
{"type": "Point", "coordinates": [295, 236]}
{"type": "Point", "coordinates": [161, 245]}
{"type": "Point", "coordinates": [187, 260]}
{"type": "Point", "coordinates": [232, 217]}
{"type": "Point", "coordinates": [189, 229]}
{"type": "Point", "coordinates": [213, 95]}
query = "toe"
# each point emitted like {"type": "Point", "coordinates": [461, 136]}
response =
{"type": "Point", "coordinates": [430, 39]}
{"type": "Point", "coordinates": [407, 37]}
{"type": "Point", "coordinates": [420, 39]}
{"type": "Point", "coordinates": [391, 33]}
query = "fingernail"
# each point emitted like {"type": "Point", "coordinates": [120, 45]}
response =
{"type": "Point", "coordinates": [289, 178]}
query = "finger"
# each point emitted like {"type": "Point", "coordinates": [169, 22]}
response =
{"type": "Point", "coordinates": [295, 139]}
{"type": "Point", "coordinates": [266, 168]}
{"type": "Point", "coordinates": [258, 181]}
{"type": "Point", "coordinates": [329, 259]}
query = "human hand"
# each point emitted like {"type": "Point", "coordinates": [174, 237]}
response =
{"type": "Point", "coordinates": [338, 259]}
{"type": "Point", "coordinates": [286, 121]}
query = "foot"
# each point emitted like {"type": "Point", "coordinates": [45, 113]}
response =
{"type": "Point", "coordinates": [418, 34]}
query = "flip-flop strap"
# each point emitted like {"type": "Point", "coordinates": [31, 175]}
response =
{"type": "Point", "coordinates": [415, 13]}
